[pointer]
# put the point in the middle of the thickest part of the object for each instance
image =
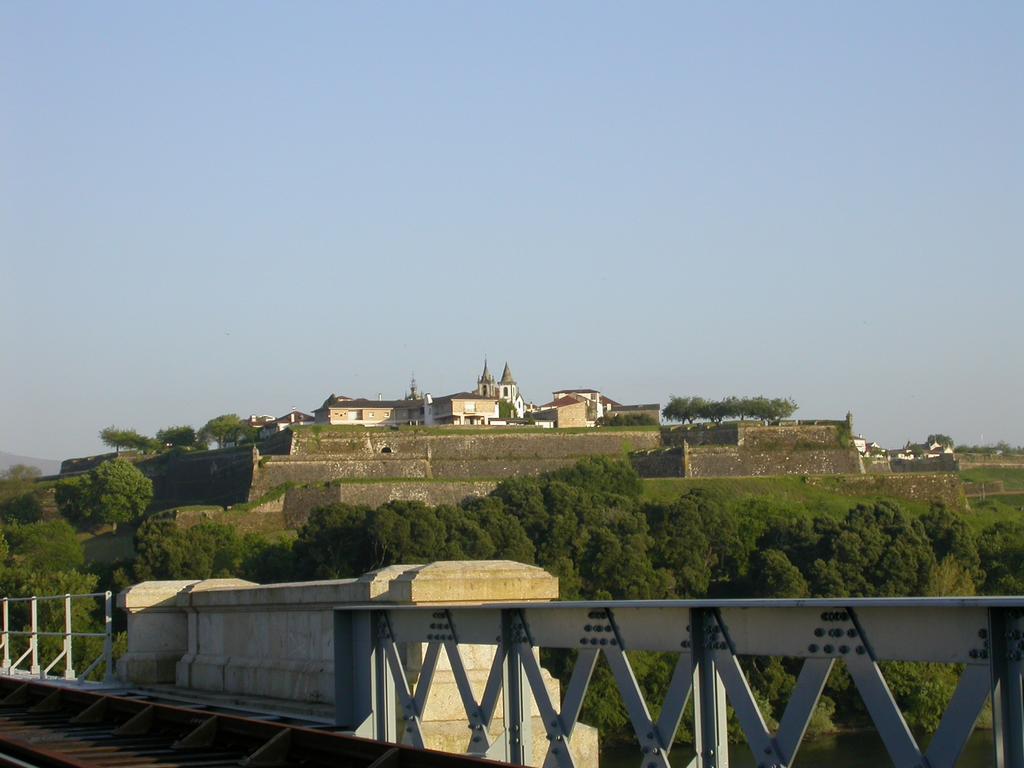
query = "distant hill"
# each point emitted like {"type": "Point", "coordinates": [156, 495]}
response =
{"type": "Point", "coordinates": [46, 466]}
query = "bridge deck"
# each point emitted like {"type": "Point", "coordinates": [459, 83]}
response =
{"type": "Point", "coordinates": [68, 727]}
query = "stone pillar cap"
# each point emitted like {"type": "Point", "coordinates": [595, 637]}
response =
{"type": "Point", "coordinates": [474, 581]}
{"type": "Point", "coordinates": [152, 594]}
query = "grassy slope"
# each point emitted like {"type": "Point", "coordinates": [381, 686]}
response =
{"type": "Point", "coordinates": [815, 500]}
{"type": "Point", "coordinates": [1011, 477]}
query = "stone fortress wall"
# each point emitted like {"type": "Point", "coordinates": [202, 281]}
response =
{"type": "Point", "coordinates": [322, 455]}
{"type": "Point", "coordinates": [445, 465]}
{"type": "Point", "coordinates": [739, 449]}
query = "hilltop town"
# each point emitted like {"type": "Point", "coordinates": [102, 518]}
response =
{"type": "Point", "coordinates": [493, 402]}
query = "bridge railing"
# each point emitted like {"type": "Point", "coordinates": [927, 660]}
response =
{"type": "Point", "coordinates": [376, 698]}
{"type": "Point", "coordinates": [29, 661]}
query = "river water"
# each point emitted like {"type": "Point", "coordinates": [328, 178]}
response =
{"type": "Point", "coordinates": [860, 750]}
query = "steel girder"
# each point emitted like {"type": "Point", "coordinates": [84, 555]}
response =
{"type": "Point", "coordinates": [984, 636]}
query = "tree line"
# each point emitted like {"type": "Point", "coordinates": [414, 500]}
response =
{"type": "Point", "coordinates": [224, 429]}
{"type": "Point", "coordinates": [691, 409]}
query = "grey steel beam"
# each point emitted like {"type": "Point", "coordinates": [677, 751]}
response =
{"type": "Point", "coordinates": [517, 736]}
{"type": "Point", "coordinates": [984, 635]}
{"type": "Point", "coordinates": [1005, 629]}
{"type": "Point", "coordinates": [958, 720]}
{"type": "Point", "coordinates": [801, 705]}
{"type": "Point", "coordinates": [711, 739]}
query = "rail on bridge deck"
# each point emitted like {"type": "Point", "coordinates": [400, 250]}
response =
{"type": "Point", "coordinates": [375, 697]}
{"type": "Point", "coordinates": [55, 725]}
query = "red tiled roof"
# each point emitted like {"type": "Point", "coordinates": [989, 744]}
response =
{"type": "Point", "coordinates": [562, 402]}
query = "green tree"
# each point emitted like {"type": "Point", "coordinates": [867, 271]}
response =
{"type": "Point", "coordinates": [944, 440]}
{"type": "Point", "coordinates": [1001, 548]}
{"type": "Point", "coordinates": [204, 551]}
{"type": "Point", "coordinates": [224, 429]}
{"type": "Point", "coordinates": [182, 436]}
{"type": "Point", "coordinates": [24, 508]}
{"type": "Point", "coordinates": [72, 497]}
{"type": "Point", "coordinates": [118, 492]}
{"type": "Point", "coordinates": [334, 543]}
{"type": "Point", "coordinates": [686, 409]}
{"type": "Point", "coordinates": [877, 551]}
{"type": "Point", "coordinates": [773, 575]}
{"type": "Point", "coordinates": [114, 492]}
{"type": "Point", "coordinates": [45, 546]}
{"type": "Point", "coordinates": [118, 438]}
{"type": "Point", "coordinates": [953, 539]}
{"type": "Point", "coordinates": [20, 473]}
{"type": "Point", "coordinates": [781, 408]}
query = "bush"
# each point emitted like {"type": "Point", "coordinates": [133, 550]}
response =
{"type": "Point", "coordinates": [114, 492]}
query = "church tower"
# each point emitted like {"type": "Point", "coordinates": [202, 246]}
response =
{"type": "Point", "coordinates": [507, 387]}
{"type": "Point", "coordinates": [485, 385]}
{"type": "Point", "coordinates": [508, 390]}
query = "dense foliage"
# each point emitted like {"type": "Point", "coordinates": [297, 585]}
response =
{"type": "Point", "coordinates": [690, 409]}
{"type": "Point", "coordinates": [591, 525]}
{"type": "Point", "coordinates": [628, 420]}
{"type": "Point", "coordinates": [114, 492]}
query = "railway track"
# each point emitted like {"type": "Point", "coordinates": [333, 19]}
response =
{"type": "Point", "coordinates": [49, 726]}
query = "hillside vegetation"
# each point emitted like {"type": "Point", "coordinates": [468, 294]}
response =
{"type": "Point", "coordinates": [606, 534]}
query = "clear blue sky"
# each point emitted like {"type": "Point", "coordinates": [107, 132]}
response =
{"type": "Point", "coordinates": [243, 207]}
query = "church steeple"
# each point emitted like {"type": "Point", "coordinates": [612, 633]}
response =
{"type": "Point", "coordinates": [506, 376]}
{"type": "Point", "coordinates": [485, 385]}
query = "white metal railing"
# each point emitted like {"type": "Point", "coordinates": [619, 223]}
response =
{"type": "Point", "coordinates": [31, 654]}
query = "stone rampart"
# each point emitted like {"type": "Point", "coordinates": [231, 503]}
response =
{"type": "Point", "coordinates": [803, 437]}
{"type": "Point", "coordinates": [665, 463]}
{"type": "Point", "coordinates": [735, 461]}
{"type": "Point", "coordinates": [80, 464]}
{"type": "Point", "coordinates": [996, 487]}
{"type": "Point", "coordinates": [206, 477]}
{"type": "Point", "coordinates": [750, 450]}
{"type": "Point", "coordinates": [1010, 461]}
{"type": "Point", "coordinates": [451, 443]}
{"type": "Point", "coordinates": [272, 646]}
{"type": "Point", "coordinates": [701, 434]}
{"type": "Point", "coordinates": [929, 487]}
{"type": "Point", "coordinates": [946, 462]}
{"type": "Point", "coordinates": [299, 502]}
{"type": "Point", "coordinates": [265, 518]}
{"type": "Point", "coordinates": [324, 454]}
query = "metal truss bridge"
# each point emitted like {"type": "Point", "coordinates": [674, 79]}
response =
{"type": "Point", "coordinates": [983, 637]}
